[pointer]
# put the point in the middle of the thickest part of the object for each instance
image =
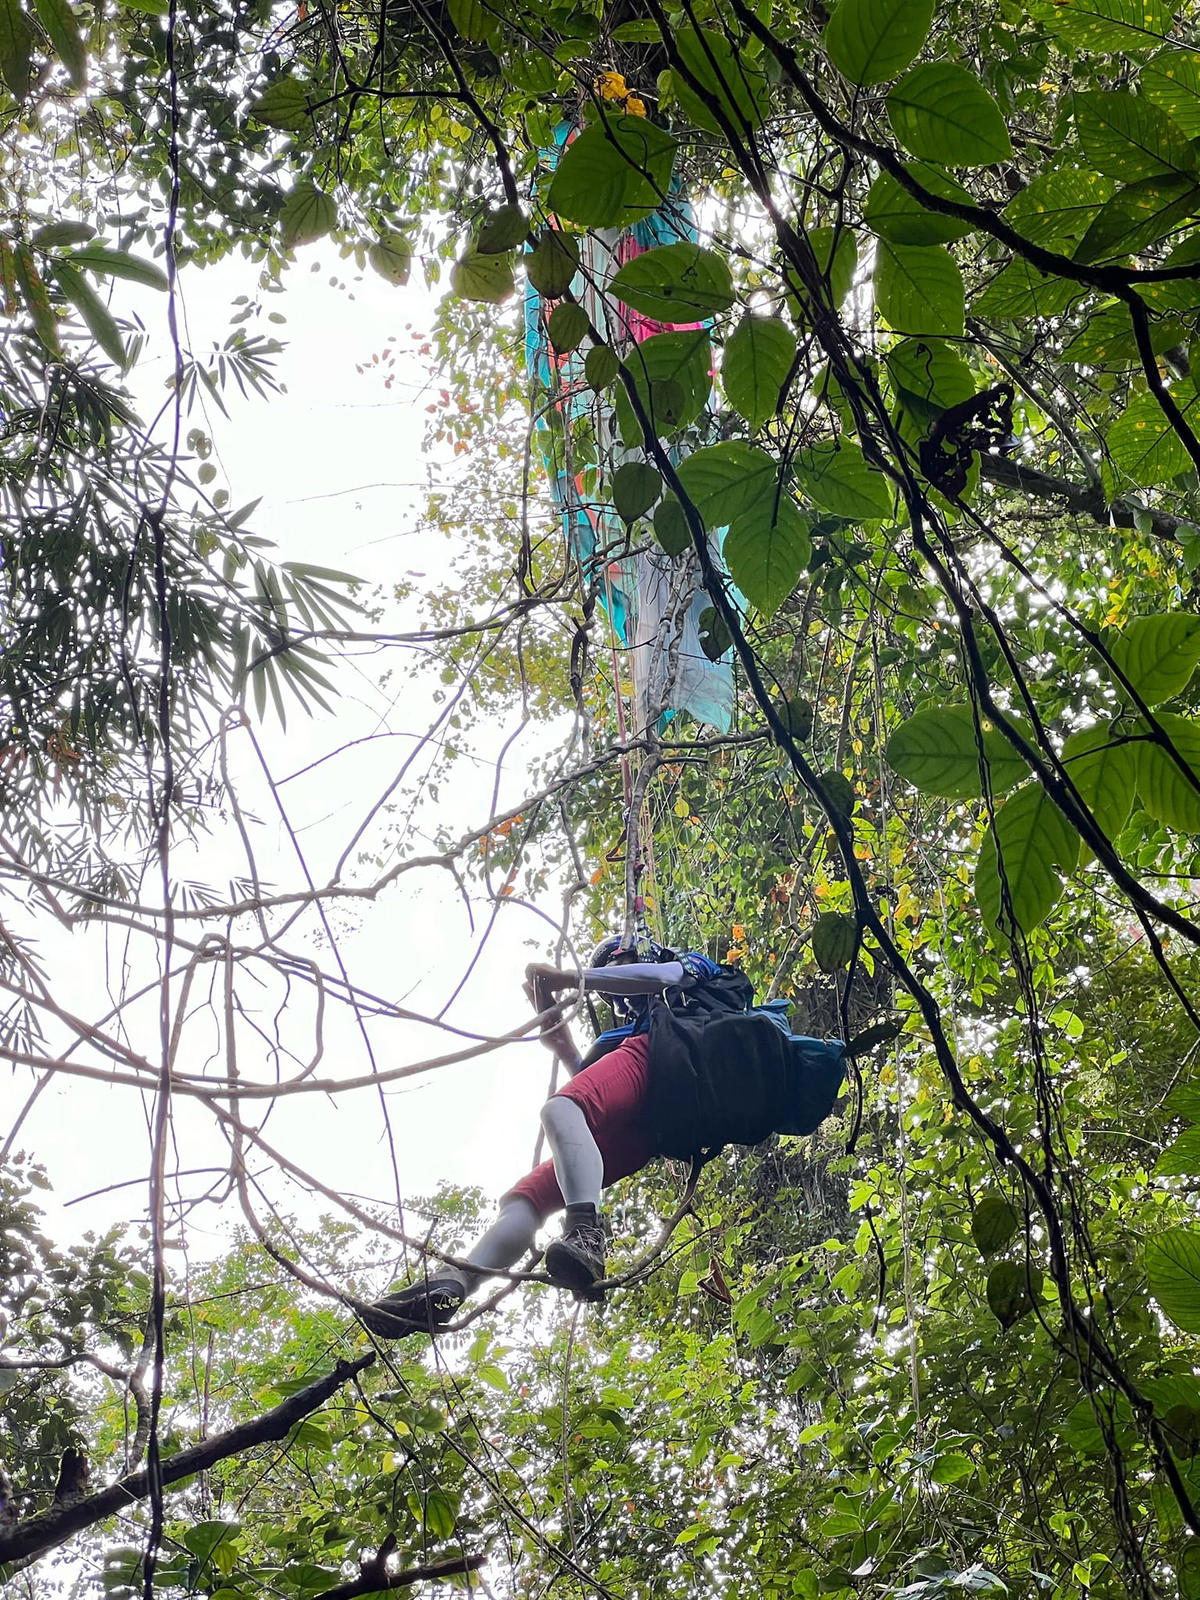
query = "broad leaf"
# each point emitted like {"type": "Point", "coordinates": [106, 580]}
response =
{"type": "Point", "coordinates": [1013, 1289]}
{"type": "Point", "coordinates": [37, 300]}
{"type": "Point", "coordinates": [474, 20]}
{"type": "Point", "coordinates": [675, 283]}
{"type": "Point", "coordinates": [1128, 137]}
{"type": "Point", "coordinates": [486, 278]}
{"type": "Point", "coordinates": [940, 752]}
{"type": "Point", "coordinates": [1173, 1268]}
{"type": "Point", "coordinates": [1109, 27]}
{"type": "Point", "coordinates": [1182, 1158]}
{"type": "Point", "coordinates": [731, 79]}
{"type": "Point", "coordinates": [308, 213]}
{"type": "Point", "coordinates": [62, 29]}
{"type": "Point", "coordinates": [567, 327]}
{"type": "Point", "coordinates": [391, 257]}
{"type": "Point", "coordinates": [1019, 291]}
{"type": "Point", "coordinates": [118, 264]}
{"type": "Point", "coordinates": [1138, 215]}
{"type": "Point", "coordinates": [283, 104]}
{"type": "Point", "coordinates": [1023, 874]}
{"type": "Point", "coordinates": [53, 235]}
{"type": "Point", "coordinates": [766, 550]}
{"type": "Point", "coordinates": [1171, 79]}
{"type": "Point", "coordinates": [919, 290]}
{"type": "Point", "coordinates": [1103, 768]}
{"type": "Point", "coordinates": [837, 257]}
{"type": "Point", "coordinates": [757, 359]}
{"type": "Point", "coordinates": [97, 318]}
{"type": "Point", "coordinates": [502, 229]}
{"type": "Point", "coordinates": [671, 526]}
{"type": "Point", "coordinates": [714, 635]}
{"type": "Point", "coordinates": [1142, 443]}
{"type": "Point", "coordinates": [993, 1223]}
{"type": "Point", "coordinates": [613, 174]}
{"type": "Point", "coordinates": [636, 485]}
{"type": "Point", "coordinates": [600, 365]}
{"type": "Point", "coordinates": [837, 477]}
{"type": "Point", "coordinates": [727, 481]}
{"type": "Point", "coordinates": [834, 941]}
{"type": "Point", "coordinates": [16, 42]}
{"type": "Point", "coordinates": [872, 40]}
{"type": "Point", "coordinates": [900, 218]}
{"type": "Point", "coordinates": [941, 112]}
{"type": "Point", "coordinates": [1163, 788]}
{"type": "Point", "coordinates": [1158, 654]}
{"type": "Point", "coordinates": [1057, 208]}
{"type": "Point", "coordinates": [672, 378]}
{"type": "Point", "coordinates": [552, 263]}
{"type": "Point", "coordinates": [929, 376]}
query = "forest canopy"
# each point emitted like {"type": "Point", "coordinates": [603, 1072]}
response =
{"type": "Point", "coordinates": [903, 368]}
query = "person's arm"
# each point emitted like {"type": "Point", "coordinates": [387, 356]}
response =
{"type": "Point", "coordinates": [556, 1036]}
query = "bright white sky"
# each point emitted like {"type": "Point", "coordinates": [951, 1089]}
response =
{"type": "Point", "coordinates": [341, 464]}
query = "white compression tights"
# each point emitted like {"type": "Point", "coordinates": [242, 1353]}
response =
{"type": "Point", "coordinates": [579, 1168]}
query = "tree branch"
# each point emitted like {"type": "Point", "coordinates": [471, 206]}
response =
{"type": "Point", "coordinates": [35, 1535]}
{"type": "Point", "coordinates": [371, 1580]}
{"type": "Point", "coordinates": [1091, 502]}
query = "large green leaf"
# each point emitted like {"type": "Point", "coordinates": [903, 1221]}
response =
{"type": "Point", "coordinates": [1181, 1158]}
{"type": "Point", "coordinates": [766, 550]}
{"type": "Point", "coordinates": [1172, 80]}
{"type": "Point", "coordinates": [636, 485]}
{"type": "Point", "coordinates": [1139, 214]}
{"type": "Point", "coordinates": [994, 1222]}
{"type": "Point", "coordinates": [1026, 850]}
{"type": "Point", "coordinates": [16, 42]}
{"type": "Point", "coordinates": [939, 752]}
{"type": "Point", "coordinates": [391, 256]}
{"type": "Point", "coordinates": [1103, 767]}
{"type": "Point", "coordinates": [62, 29]}
{"type": "Point", "coordinates": [283, 104]}
{"type": "Point", "coordinates": [1109, 27]}
{"type": "Point", "coordinates": [97, 318]}
{"type": "Point", "coordinates": [754, 367]}
{"type": "Point", "coordinates": [552, 263]}
{"type": "Point", "coordinates": [1013, 1288]}
{"type": "Point", "coordinates": [567, 327]}
{"type": "Point", "coordinates": [502, 229]}
{"type": "Point", "coordinates": [1164, 790]}
{"type": "Point", "coordinates": [900, 218]}
{"type": "Point", "coordinates": [872, 40]}
{"type": "Point", "coordinates": [613, 174]}
{"type": "Point", "coordinates": [919, 289]}
{"type": "Point", "coordinates": [675, 283]}
{"type": "Point", "coordinates": [1158, 654]}
{"type": "Point", "coordinates": [672, 378]}
{"type": "Point", "coordinates": [929, 376]}
{"type": "Point", "coordinates": [1173, 1268]}
{"type": "Point", "coordinates": [1143, 444]}
{"type": "Point", "coordinates": [308, 213]}
{"type": "Point", "coordinates": [1058, 208]}
{"type": "Point", "coordinates": [118, 264]}
{"type": "Point", "coordinates": [836, 475]}
{"type": "Point", "coordinates": [1019, 291]}
{"type": "Point", "coordinates": [941, 112]}
{"type": "Point", "coordinates": [730, 480]}
{"type": "Point", "coordinates": [485, 278]}
{"type": "Point", "coordinates": [837, 257]}
{"type": "Point", "coordinates": [834, 940]}
{"type": "Point", "coordinates": [728, 79]}
{"type": "Point", "coordinates": [1128, 137]}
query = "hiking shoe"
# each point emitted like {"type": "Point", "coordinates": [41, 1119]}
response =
{"type": "Point", "coordinates": [421, 1308]}
{"type": "Point", "coordinates": [576, 1261]}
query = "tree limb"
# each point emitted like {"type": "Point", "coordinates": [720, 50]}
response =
{"type": "Point", "coordinates": [35, 1535]}
{"type": "Point", "coordinates": [371, 1580]}
{"type": "Point", "coordinates": [1091, 502]}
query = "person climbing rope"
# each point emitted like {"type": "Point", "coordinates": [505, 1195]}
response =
{"type": "Point", "coordinates": [690, 1067]}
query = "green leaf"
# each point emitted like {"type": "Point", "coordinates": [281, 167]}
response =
{"type": "Point", "coordinates": [1171, 79]}
{"type": "Point", "coordinates": [1019, 291]}
{"type": "Point", "coordinates": [919, 289]}
{"type": "Point", "coordinates": [714, 634]}
{"type": "Point", "coordinates": [1012, 1291]}
{"type": "Point", "coordinates": [871, 1038]}
{"type": "Point", "coordinates": [727, 481]}
{"type": "Point", "coordinates": [149, 8]}
{"type": "Point", "coordinates": [118, 264]}
{"type": "Point", "coordinates": [836, 476]}
{"type": "Point", "coordinates": [488, 279]}
{"type": "Point", "coordinates": [567, 327]}
{"type": "Point", "coordinates": [1036, 846]}
{"type": "Point", "coordinates": [1187, 1570]}
{"type": "Point", "coordinates": [951, 1468]}
{"type": "Point", "coordinates": [62, 29]}
{"type": "Point", "coordinates": [1181, 1159]}
{"type": "Point", "coordinates": [1143, 444]}
{"type": "Point", "coordinates": [202, 1538]}
{"type": "Point", "coordinates": [938, 752]}
{"type": "Point", "coordinates": [1158, 654]}
{"type": "Point", "coordinates": [283, 104]}
{"type": "Point", "coordinates": [1173, 1268]}
{"type": "Point", "coordinates": [839, 792]}
{"type": "Point", "coordinates": [1103, 768]}
{"type": "Point", "coordinates": [732, 79]}
{"type": "Point", "coordinates": [600, 365]}
{"type": "Point", "coordinates": [929, 376]}
{"type": "Point", "coordinates": [636, 486]}
{"type": "Point", "coordinates": [837, 257]}
{"type": "Point", "coordinates": [900, 218]}
{"type": "Point", "coordinates": [1138, 215]}
{"type": "Point", "coordinates": [671, 526]}
{"type": "Point", "coordinates": [834, 941]}
{"type": "Point", "coordinates": [97, 318]}
{"type": "Point", "coordinates": [1109, 27]}
{"type": "Point", "coordinates": [500, 230]}
{"type": "Point", "coordinates": [870, 41]}
{"type": "Point", "coordinates": [1128, 137]}
{"type": "Point", "coordinates": [1058, 208]}
{"type": "Point", "coordinates": [553, 263]}
{"type": "Point", "coordinates": [55, 235]}
{"type": "Point", "coordinates": [941, 112]}
{"type": "Point", "coordinates": [1164, 790]}
{"type": "Point", "coordinates": [37, 300]}
{"type": "Point", "coordinates": [993, 1223]}
{"type": "Point", "coordinates": [755, 366]}
{"type": "Point", "coordinates": [1184, 1101]}
{"type": "Point", "coordinates": [672, 379]}
{"type": "Point", "coordinates": [473, 20]}
{"type": "Point", "coordinates": [391, 257]}
{"type": "Point", "coordinates": [308, 213]}
{"type": "Point", "coordinates": [613, 174]}
{"type": "Point", "coordinates": [675, 283]}
{"type": "Point", "coordinates": [16, 42]}
{"type": "Point", "coordinates": [766, 550]}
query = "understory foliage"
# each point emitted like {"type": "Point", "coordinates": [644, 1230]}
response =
{"type": "Point", "coordinates": [931, 374]}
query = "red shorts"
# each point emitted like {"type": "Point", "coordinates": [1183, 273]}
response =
{"type": "Point", "coordinates": [612, 1096]}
